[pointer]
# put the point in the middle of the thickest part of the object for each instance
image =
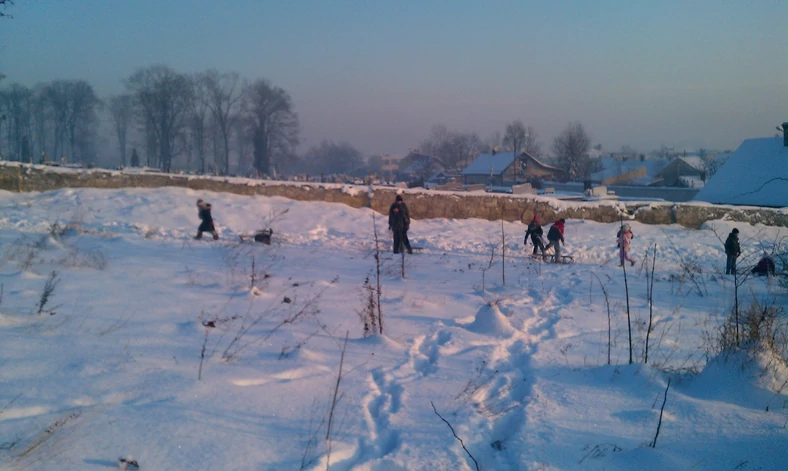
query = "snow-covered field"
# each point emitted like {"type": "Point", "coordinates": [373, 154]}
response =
{"type": "Point", "coordinates": [109, 366]}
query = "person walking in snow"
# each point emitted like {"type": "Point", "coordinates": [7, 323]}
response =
{"type": "Point", "coordinates": [732, 250]}
{"type": "Point", "coordinates": [624, 238]}
{"type": "Point", "coordinates": [535, 232]}
{"type": "Point", "coordinates": [399, 223]}
{"type": "Point", "coordinates": [555, 237]}
{"type": "Point", "coordinates": [204, 211]}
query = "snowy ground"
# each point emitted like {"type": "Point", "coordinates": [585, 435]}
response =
{"type": "Point", "coordinates": [110, 366]}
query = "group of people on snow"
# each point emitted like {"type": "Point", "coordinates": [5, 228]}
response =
{"type": "Point", "coordinates": [555, 237]}
{"type": "Point", "coordinates": [764, 267]}
{"type": "Point", "coordinates": [399, 224]}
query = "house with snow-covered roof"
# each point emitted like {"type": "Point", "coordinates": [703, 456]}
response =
{"type": "Point", "coordinates": [682, 170]}
{"type": "Point", "coordinates": [507, 169]}
{"type": "Point", "coordinates": [756, 174]}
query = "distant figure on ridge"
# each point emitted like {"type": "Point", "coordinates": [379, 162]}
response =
{"type": "Point", "coordinates": [204, 211]}
{"type": "Point", "coordinates": [399, 223]}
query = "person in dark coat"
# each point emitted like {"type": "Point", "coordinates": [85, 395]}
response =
{"type": "Point", "coordinates": [732, 250]}
{"type": "Point", "coordinates": [555, 237]}
{"type": "Point", "coordinates": [399, 223]}
{"type": "Point", "coordinates": [535, 232]}
{"type": "Point", "coordinates": [204, 211]}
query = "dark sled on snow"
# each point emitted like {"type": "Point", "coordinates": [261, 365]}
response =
{"type": "Point", "coordinates": [548, 258]}
{"type": "Point", "coordinates": [264, 236]}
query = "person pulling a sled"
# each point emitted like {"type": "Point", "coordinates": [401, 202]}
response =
{"type": "Point", "coordinates": [204, 211]}
{"type": "Point", "coordinates": [399, 223]}
{"type": "Point", "coordinates": [624, 238]}
{"type": "Point", "coordinates": [535, 232]}
{"type": "Point", "coordinates": [555, 237]}
{"type": "Point", "coordinates": [732, 250]}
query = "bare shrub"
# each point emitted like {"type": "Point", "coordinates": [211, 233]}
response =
{"type": "Point", "coordinates": [369, 310]}
{"type": "Point", "coordinates": [95, 258]}
{"type": "Point", "coordinates": [487, 267]}
{"type": "Point", "coordinates": [47, 293]}
{"type": "Point", "coordinates": [25, 251]}
{"type": "Point", "coordinates": [691, 272]}
{"type": "Point", "coordinates": [296, 313]}
{"type": "Point", "coordinates": [761, 328]}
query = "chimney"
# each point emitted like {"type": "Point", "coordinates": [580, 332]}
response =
{"type": "Point", "coordinates": [785, 134]}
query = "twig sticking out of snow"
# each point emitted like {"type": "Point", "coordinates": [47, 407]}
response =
{"type": "Point", "coordinates": [455, 436]}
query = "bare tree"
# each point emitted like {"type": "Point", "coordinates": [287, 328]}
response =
{"type": "Point", "coordinates": [196, 120]}
{"type": "Point", "coordinates": [467, 146]}
{"type": "Point", "coordinates": [514, 137]}
{"type": "Point", "coordinates": [453, 148]}
{"type": "Point", "coordinates": [73, 105]}
{"type": "Point", "coordinates": [55, 95]}
{"type": "Point", "coordinates": [41, 116]}
{"type": "Point", "coordinates": [82, 121]}
{"type": "Point", "coordinates": [164, 98]}
{"type": "Point", "coordinates": [243, 143]}
{"type": "Point", "coordinates": [121, 108]}
{"type": "Point", "coordinates": [224, 95]}
{"type": "Point", "coordinates": [16, 101]}
{"type": "Point", "coordinates": [437, 141]}
{"type": "Point", "coordinates": [571, 148]}
{"type": "Point", "coordinates": [274, 124]}
{"type": "Point", "coordinates": [331, 157]}
{"type": "Point", "coordinates": [519, 138]}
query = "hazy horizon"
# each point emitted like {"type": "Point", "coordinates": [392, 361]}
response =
{"type": "Point", "coordinates": [379, 76]}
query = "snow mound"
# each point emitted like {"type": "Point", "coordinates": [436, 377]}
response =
{"type": "Point", "coordinates": [760, 373]}
{"type": "Point", "coordinates": [490, 320]}
{"type": "Point", "coordinates": [382, 340]}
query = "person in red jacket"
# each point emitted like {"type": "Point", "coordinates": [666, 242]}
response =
{"type": "Point", "coordinates": [555, 237]}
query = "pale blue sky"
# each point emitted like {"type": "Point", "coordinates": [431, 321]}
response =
{"type": "Point", "coordinates": [380, 74]}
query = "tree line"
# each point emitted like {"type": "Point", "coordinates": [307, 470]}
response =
{"type": "Point", "coordinates": [217, 122]}
{"type": "Point", "coordinates": [209, 122]}
{"type": "Point", "coordinates": [458, 149]}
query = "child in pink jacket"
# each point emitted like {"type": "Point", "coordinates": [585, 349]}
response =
{"type": "Point", "coordinates": [624, 238]}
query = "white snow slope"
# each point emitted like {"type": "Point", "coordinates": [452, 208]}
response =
{"type": "Point", "coordinates": [108, 366]}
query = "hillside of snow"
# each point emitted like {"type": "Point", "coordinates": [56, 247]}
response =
{"type": "Point", "coordinates": [154, 346]}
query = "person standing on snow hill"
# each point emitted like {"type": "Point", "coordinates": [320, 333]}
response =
{"type": "Point", "coordinates": [624, 238]}
{"type": "Point", "coordinates": [535, 232]}
{"type": "Point", "coordinates": [732, 250]}
{"type": "Point", "coordinates": [399, 223]}
{"type": "Point", "coordinates": [556, 237]}
{"type": "Point", "coordinates": [204, 211]}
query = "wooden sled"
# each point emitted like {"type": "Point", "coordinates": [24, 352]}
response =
{"type": "Point", "coordinates": [264, 236]}
{"type": "Point", "coordinates": [548, 258]}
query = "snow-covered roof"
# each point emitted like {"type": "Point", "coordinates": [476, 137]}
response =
{"type": "Point", "coordinates": [694, 161]}
{"type": "Point", "coordinates": [484, 162]}
{"type": "Point", "coordinates": [755, 175]}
